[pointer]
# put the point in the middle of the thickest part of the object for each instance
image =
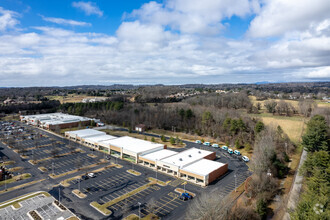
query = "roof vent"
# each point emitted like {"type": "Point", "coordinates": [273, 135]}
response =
{"type": "Point", "coordinates": [199, 152]}
{"type": "Point", "coordinates": [189, 155]}
{"type": "Point", "coordinates": [180, 159]}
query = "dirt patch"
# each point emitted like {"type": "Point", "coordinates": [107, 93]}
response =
{"type": "Point", "coordinates": [134, 172]}
{"type": "Point", "coordinates": [92, 155]}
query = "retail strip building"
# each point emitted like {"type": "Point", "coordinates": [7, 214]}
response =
{"type": "Point", "coordinates": [194, 165]}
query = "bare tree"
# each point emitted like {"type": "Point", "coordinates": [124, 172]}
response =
{"type": "Point", "coordinates": [306, 106]}
{"type": "Point", "coordinates": [210, 206]}
{"type": "Point", "coordinates": [264, 149]}
{"type": "Point", "coordinates": [152, 205]}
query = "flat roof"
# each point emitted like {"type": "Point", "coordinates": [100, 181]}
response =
{"type": "Point", "coordinates": [158, 155]}
{"type": "Point", "coordinates": [100, 138]}
{"type": "Point", "coordinates": [186, 157]}
{"type": "Point", "coordinates": [86, 132]}
{"type": "Point", "coordinates": [203, 167]}
{"type": "Point", "coordinates": [133, 144]}
{"type": "Point", "coordinates": [56, 118]}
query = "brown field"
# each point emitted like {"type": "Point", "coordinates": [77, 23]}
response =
{"type": "Point", "coordinates": [69, 98]}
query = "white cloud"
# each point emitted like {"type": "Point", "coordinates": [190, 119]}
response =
{"type": "Point", "coordinates": [89, 8]}
{"type": "Point", "coordinates": [168, 43]}
{"type": "Point", "coordinates": [66, 21]}
{"type": "Point", "coordinates": [194, 16]}
{"type": "Point", "coordinates": [277, 17]}
{"type": "Point", "coordinates": [322, 72]}
{"type": "Point", "coordinates": [8, 19]}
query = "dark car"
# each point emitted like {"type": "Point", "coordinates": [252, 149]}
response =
{"type": "Point", "coordinates": [184, 198]}
{"type": "Point", "coordinates": [92, 149]}
{"type": "Point", "coordinates": [108, 157]}
{"type": "Point", "coordinates": [84, 177]}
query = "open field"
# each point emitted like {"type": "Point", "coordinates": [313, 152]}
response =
{"type": "Point", "coordinates": [69, 98]}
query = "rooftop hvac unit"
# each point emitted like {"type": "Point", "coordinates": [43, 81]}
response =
{"type": "Point", "coordinates": [199, 152]}
{"type": "Point", "coordinates": [180, 159]}
{"type": "Point", "coordinates": [189, 155]}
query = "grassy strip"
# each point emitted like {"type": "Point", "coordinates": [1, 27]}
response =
{"type": "Point", "coordinates": [73, 218]}
{"type": "Point", "coordinates": [35, 162]}
{"type": "Point", "coordinates": [103, 208]}
{"type": "Point", "coordinates": [7, 163]}
{"type": "Point", "coordinates": [91, 155]}
{"type": "Point", "coordinates": [100, 208]}
{"type": "Point", "coordinates": [73, 171]}
{"type": "Point", "coordinates": [134, 172]}
{"type": "Point", "coordinates": [79, 194]}
{"type": "Point", "coordinates": [180, 190]}
{"type": "Point", "coordinates": [43, 169]}
{"type": "Point", "coordinates": [14, 200]}
{"type": "Point", "coordinates": [16, 205]}
{"type": "Point", "coordinates": [159, 182]}
{"type": "Point", "coordinates": [15, 169]}
{"type": "Point", "coordinates": [21, 186]}
{"type": "Point", "coordinates": [147, 217]}
{"type": "Point", "coordinates": [16, 178]}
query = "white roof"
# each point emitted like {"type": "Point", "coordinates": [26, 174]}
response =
{"type": "Point", "coordinates": [86, 133]}
{"type": "Point", "coordinates": [203, 167]}
{"type": "Point", "coordinates": [158, 155]}
{"type": "Point", "coordinates": [133, 144]}
{"type": "Point", "coordinates": [186, 157]}
{"type": "Point", "coordinates": [56, 118]}
{"type": "Point", "coordinates": [100, 138]}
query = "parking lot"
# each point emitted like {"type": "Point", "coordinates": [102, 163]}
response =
{"type": "Point", "coordinates": [114, 182]}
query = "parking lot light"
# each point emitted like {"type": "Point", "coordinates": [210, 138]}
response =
{"type": "Point", "coordinates": [139, 203]}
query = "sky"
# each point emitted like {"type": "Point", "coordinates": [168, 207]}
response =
{"type": "Point", "coordinates": [105, 42]}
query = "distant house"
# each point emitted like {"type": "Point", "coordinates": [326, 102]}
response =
{"type": "Point", "coordinates": [140, 128]}
{"type": "Point", "coordinates": [9, 101]}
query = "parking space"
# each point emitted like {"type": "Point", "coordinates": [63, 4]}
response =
{"type": "Point", "coordinates": [69, 162]}
{"type": "Point", "coordinates": [164, 205]}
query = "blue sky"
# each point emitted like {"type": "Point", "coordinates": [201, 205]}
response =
{"type": "Point", "coordinates": [66, 42]}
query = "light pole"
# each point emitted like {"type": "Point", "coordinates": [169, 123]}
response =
{"type": "Point", "coordinates": [59, 195]}
{"type": "Point", "coordinates": [235, 181]}
{"type": "Point", "coordinates": [79, 184]}
{"type": "Point", "coordinates": [139, 203]}
{"type": "Point", "coordinates": [156, 170]}
{"type": "Point", "coordinates": [53, 167]}
{"type": "Point", "coordinates": [5, 183]}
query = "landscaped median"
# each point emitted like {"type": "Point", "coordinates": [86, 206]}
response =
{"type": "Point", "coordinates": [103, 208]}
{"type": "Point", "coordinates": [134, 172]}
{"type": "Point", "coordinates": [35, 162]}
{"type": "Point", "coordinates": [66, 183]}
{"type": "Point", "coordinates": [73, 171]}
{"type": "Point", "coordinates": [21, 186]}
{"type": "Point", "coordinates": [79, 194]}
{"type": "Point", "coordinates": [147, 217]}
{"type": "Point", "coordinates": [159, 182]}
{"type": "Point", "coordinates": [16, 178]}
{"type": "Point", "coordinates": [180, 190]}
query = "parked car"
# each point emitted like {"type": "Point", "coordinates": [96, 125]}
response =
{"type": "Point", "coordinates": [92, 149]}
{"type": "Point", "coordinates": [215, 145]}
{"type": "Point", "coordinates": [108, 157]}
{"type": "Point", "coordinates": [224, 148]}
{"type": "Point", "coordinates": [230, 151]}
{"type": "Point", "coordinates": [237, 152]}
{"type": "Point", "coordinates": [84, 177]}
{"type": "Point", "coordinates": [91, 175]}
{"type": "Point", "coordinates": [207, 143]}
{"type": "Point", "coordinates": [187, 195]}
{"type": "Point", "coordinates": [198, 142]}
{"type": "Point", "coordinates": [245, 158]}
{"type": "Point", "coordinates": [184, 198]}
